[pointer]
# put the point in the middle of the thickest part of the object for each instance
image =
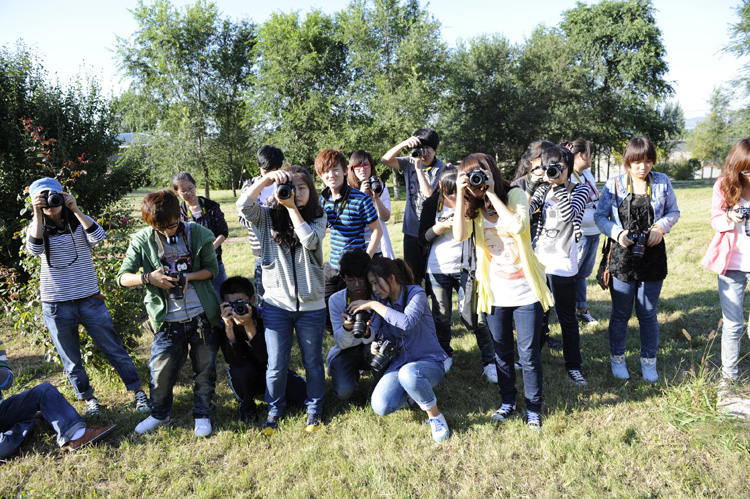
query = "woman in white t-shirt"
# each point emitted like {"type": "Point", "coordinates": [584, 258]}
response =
{"type": "Point", "coordinates": [361, 176]}
{"type": "Point", "coordinates": [509, 279]}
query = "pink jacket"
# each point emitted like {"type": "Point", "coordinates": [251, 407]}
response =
{"type": "Point", "coordinates": [717, 255]}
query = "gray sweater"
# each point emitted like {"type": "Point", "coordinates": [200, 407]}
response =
{"type": "Point", "coordinates": [292, 277]}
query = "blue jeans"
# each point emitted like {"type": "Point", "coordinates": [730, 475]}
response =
{"type": "Point", "coordinates": [645, 294]}
{"type": "Point", "coordinates": [587, 247]}
{"type": "Point", "coordinates": [345, 367]}
{"type": "Point", "coordinates": [280, 327]}
{"type": "Point", "coordinates": [564, 291]}
{"type": "Point", "coordinates": [441, 288]}
{"type": "Point", "coordinates": [62, 320]}
{"type": "Point", "coordinates": [171, 347]}
{"type": "Point", "coordinates": [217, 281]}
{"type": "Point", "coordinates": [528, 319]}
{"type": "Point", "coordinates": [415, 379]}
{"type": "Point", "coordinates": [258, 278]}
{"type": "Point", "coordinates": [247, 383]}
{"type": "Point", "coordinates": [22, 407]}
{"type": "Point", "coordinates": [732, 298]}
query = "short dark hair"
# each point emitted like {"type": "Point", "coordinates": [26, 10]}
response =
{"type": "Point", "coordinates": [559, 155]}
{"type": "Point", "coordinates": [237, 284]}
{"type": "Point", "coordinates": [181, 177]}
{"type": "Point", "coordinates": [639, 149]}
{"type": "Point", "coordinates": [533, 152]}
{"type": "Point", "coordinates": [354, 263]}
{"type": "Point", "coordinates": [270, 158]}
{"type": "Point", "coordinates": [428, 136]}
{"type": "Point", "coordinates": [160, 208]}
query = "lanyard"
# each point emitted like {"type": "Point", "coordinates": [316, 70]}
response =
{"type": "Point", "coordinates": [629, 186]}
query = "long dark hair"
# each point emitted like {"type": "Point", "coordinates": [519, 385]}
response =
{"type": "Point", "coordinates": [282, 230]}
{"type": "Point", "coordinates": [486, 162]}
{"type": "Point", "coordinates": [738, 160]}
{"type": "Point", "coordinates": [384, 267]}
{"type": "Point", "coordinates": [357, 158]}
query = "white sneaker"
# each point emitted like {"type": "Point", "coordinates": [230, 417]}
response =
{"type": "Point", "coordinates": [92, 407]}
{"type": "Point", "coordinates": [202, 427]}
{"type": "Point", "coordinates": [447, 363]}
{"type": "Point", "coordinates": [149, 424]}
{"type": "Point", "coordinates": [490, 372]}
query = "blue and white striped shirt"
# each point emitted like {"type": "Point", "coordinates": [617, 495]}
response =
{"type": "Point", "coordinates": [347, 218]}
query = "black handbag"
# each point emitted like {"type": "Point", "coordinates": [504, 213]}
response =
{"type": "Point", "coordinates": [603, 276]}
{"type": "Point", "coordinates": [467, 293]}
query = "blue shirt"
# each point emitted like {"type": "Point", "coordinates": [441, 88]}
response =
{"type": "Point", "coordinates": [347, 218]}
{"type": "Point", "coordinates": [409, 323]}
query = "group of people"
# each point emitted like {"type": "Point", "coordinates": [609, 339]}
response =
{"type": "Point", "coordinates": [512, 251]}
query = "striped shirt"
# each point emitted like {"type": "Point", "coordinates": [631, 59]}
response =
{"type": "Point", "coordinates": [71, 277]}
{"type": "Point", "coordinates": [6, 373]}
{"type": "Point", "coordinates": [571, 205]}
{"type": "Point", "coordinates": [347, 218]}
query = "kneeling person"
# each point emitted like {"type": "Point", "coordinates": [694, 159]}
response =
{"type": "Point", "coordinates": [242, 340]}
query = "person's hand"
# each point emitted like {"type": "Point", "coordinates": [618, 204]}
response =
{"type": "Point", "coordinates": [277, 176]}
{"type": "Point", "coordinates": [159, 279]}
{"type": "Point", "coordinates": [412, 142]}
{"type": "Point", "coordinates": [227, 315]}
{"type": "Point", "coordinates": [70, 201]}
{"type": "Point", "coordinates": [536, 174]}
{"type": "Point", "coordinates": [365, 187]}
{"type": "Point", "coordinates": [735, 217]}
{"type": "Point", "coordinates": [624, 240]}
{"type": "Point", "coordinates": [443, 225]}
{"type": "Point", "coordinates": [359, 305]}
{"type": "Point", "coordinates": [38, 202]}
{"type": "Point", "coordinates": [490, 183]}
{"type": "Point", "coordinates": [655, 236]}
{"type": "Point", "coordinates": [374, 347]}
{"type": "Point", "coordinates": [462, 183]}
{"type": "Point", "coordinates": [348, 324]}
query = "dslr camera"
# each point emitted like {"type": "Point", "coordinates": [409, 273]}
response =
{"type": "Point", "coordinates": [239, 307]}
{"type": "Point", "coordinates": [376, 185]}
{"type": "Point", "coordinates": [53, 199]}
{"type": "Point", "coordinates": [741, 211]}
{"type": "Point", "coordinates": [640, 239]}
{"type": "Point", "coordinates": [477, 177]}
{"type": "Point", "coordinates": [360, 323]}
{"type": "Point", "coordinates": [176, 292]}
{"type": "Point", "coordinates": [285, 190]}
{"type": "Point", "coordinates": [386, 352]}
{"type": "Point", "coordinates": [553, 170]}
{"type": "Point", "coordinates": [418, 151]}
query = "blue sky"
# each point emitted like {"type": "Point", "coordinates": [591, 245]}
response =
{"type": "Point", "coordinates": [77, 36]}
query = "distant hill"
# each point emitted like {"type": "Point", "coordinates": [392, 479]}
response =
{"type": "Point", "coordinates": [691, 122]}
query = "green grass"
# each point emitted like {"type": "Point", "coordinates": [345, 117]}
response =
{"type": "Point", "coordinates": [622, 439]}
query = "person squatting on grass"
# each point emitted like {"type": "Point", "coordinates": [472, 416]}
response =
{"type": "Point", "coordinates": [241, 337]}
{"type": "Point", "coordinates": [17, 413]}
{"type": "Point", "coordinates": [407, 352]}
{"type": "Point", "coordinates": [421, 170]}
{"type": "Point", "coordinates": [178, 262]}
{"type": "Point", "coordinates": [362, 176]}
{"type": "Point", "coordinates": [729, 252]}
{"type": "Point", "coordinates": [636, 209]}
{"type": "Point", "coordinates": [350, 355]}
{"type": "Point", "coordinates": [562, 203]}
{"type": "Point", "coordinates": [64, 237]}
{"type": "Point", "coordinates": [290, 231]}
{"type": "Point", "coordinates": [510, 280]}
{"type": "Point", "coordinates": [446, 256]}
{"type": "Point", "coordinates": [204, 212]}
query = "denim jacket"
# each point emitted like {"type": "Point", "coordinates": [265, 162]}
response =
{"type": "Point", "coordinates": [663, 200]}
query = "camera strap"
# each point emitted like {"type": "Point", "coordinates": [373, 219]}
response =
{"type": "Point", "coordinates": [52, 229]}
{"type": "Point", "coordinates": [629, 187]}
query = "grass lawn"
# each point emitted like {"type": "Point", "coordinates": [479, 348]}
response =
{"type": "Point", "coordinates": [614, 438]}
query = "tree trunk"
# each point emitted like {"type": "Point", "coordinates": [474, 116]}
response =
{"type": "Point", "coordinates": [396, 194]}
{"type": "Point", "coordinates": [609, 161]}
{"type": "Point", "coordinates": [205, 176]}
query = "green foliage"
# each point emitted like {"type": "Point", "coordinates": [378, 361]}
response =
{"type": "Point", "coordinates": [711, 140]}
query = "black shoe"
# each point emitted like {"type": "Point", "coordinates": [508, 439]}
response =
{"type": "Point", "coordinates": [505, 412]}
{"type": "Point", "coordinates": [534, 420]}
{"type": "Point", "coordinates": [576, 376]}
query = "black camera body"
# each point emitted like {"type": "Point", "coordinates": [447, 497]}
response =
{"type": "Point", "coordinates": [477, 177]}
{"type": "Point", "coordinates": [53, 199]}
{"type": "Point", "coordinates": [553, 170]}
{"type": "Point", "coordinates": [418, 151]}
{"type": "Point", "coordinates": [360, 323]}
{"type": "Point", "coordinates": [376, 185]}
{"type": "Point", "coordinates": [285, 190]}
{"type": "Point", "coordinates": [239, 307]}
{"type": "Point", "coordinates": [386, 352]}
{"type": "Point", "coordinates": [640, 239]}
{"type": "Point", "coordinates": [176, 292]}
{"type": "Point", "coordinates": [742, 211]}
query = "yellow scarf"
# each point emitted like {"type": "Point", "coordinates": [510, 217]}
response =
{"type": "Point", "coordinates": [532, 268]}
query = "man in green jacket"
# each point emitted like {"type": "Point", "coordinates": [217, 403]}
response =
{"type": "Point", "coordinates": [178, 261]}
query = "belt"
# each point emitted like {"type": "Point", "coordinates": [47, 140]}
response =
{"type": "Point", "coordinates": [190, 320]}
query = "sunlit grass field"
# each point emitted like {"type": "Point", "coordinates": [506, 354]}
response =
{"type": "Point", "coordinates": [610, 438]}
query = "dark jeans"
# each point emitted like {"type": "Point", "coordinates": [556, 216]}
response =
{"type": "Point", "coordinates": [441, 287]}
{"type": "Point", "coordinates": [564, 291]}
{"type": "Point", "coordinates": [169, 351]}
{"type": "Point", "coordinates": [248, 383]}
{"type": "Point", "coordinates": [333, 283]}
{"type": "Point", "coordinates": [414, 257]}
{"type": "Point", "coordinates": [344, 369]}
{"type": "Point", "coordinates": [258, 276]}
{"type": "Point", "coordinates": [528, 320]}
{"type": "Point", "coordinates": [20, 408]}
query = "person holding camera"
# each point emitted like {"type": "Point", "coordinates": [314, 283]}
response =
{"type": "Point", "coordinates": [204, 212]}
{"type": "Point", "coordinates": [178, 262]}
{"type": "Point", "coordinates": [421, 170]}
{"type": "Point", "coordinates": [290, 230]}
{"type": "Point", "coordinates": [635, 210]}
{"type": "Point", "coordinates": [562, 204]}
{"type": "Point", "coordinates": [17, 414]}
{"type": "Point", "coordinates": [350, 355]}
{"type": "Point", "coordinates": [407, 352]}
{"type": "Point", "coordinates": [64, 237]}
{"type": "Point", "coordinates": [242, 339]}
{"type": "Point", "coordinates": [362, 176]}
{"type": "Point", "coordinates": [446, 257]}
{"type": "Point", "coordinates": [509, 279]}
{"type": "Point", "coordinates": [729, 252]}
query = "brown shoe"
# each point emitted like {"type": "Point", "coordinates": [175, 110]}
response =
{"type": "Point", "coordinates": [90, 435]}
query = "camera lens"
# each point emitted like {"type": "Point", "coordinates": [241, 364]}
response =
{"type": "Point", "coordinates": [553, 171]}
{"type": "Point", "coordinates": [284, 191]}
{"type": "Point", "coordinates": [55, 199]}
{"type": "Point", "coordinates": [239, 307]}
{"type": "Point", "coordinates": [477, 178]}
{"type": "Point", "coordinates": [376, 185]}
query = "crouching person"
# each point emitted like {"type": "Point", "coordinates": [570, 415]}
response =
{"type": "Point", "coordinates": [17, 411]}
{"type": "Point", "coordinates": [351, 353]}
{"type": "Point", "coordinates": [178, 262]}
{"type": "Point", "coordinates": [242, 339]}
{"type": "Point", "coordinates": [407, 350]}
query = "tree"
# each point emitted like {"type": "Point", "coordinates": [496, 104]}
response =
{"type": "Point", "coordinates": [711, 140]}
{"type": "Point", "coordinates": [190, 68]}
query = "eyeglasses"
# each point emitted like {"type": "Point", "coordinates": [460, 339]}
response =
{"type": "Point", "coordinates": [355, 280]}
{"type": "Point", "coordinates": [362, 166]}
{"type": "Point", "coordinates": [168, 227]}
{"type": "Point", "coordinates": [191, 189]}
